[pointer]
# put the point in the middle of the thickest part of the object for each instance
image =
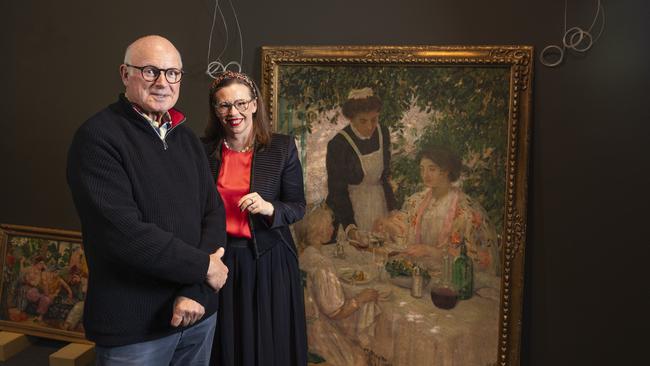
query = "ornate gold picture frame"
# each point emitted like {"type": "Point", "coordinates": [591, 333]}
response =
{"type": "Point", "coordinates": [44, 282]}
{"type": "Point", "coordinates": [426, 270]}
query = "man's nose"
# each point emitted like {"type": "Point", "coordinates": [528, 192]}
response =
{"type": "Point", "coordinates": [161, 81]}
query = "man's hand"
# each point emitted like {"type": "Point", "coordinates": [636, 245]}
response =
{"type": "Point", "coordinates": [217, 271]}
{"type": "Point", "coordinates": [186, 312]}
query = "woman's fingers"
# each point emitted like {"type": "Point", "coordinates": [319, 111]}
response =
{"type": "Point", "coordinates": [255, 204]}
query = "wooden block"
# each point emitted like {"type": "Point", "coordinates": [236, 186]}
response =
{"type": "Point", "coordinates": [74, 354]}
{"type": "Point", "coordinates": [12, 343]}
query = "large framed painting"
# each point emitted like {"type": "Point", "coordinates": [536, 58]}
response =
{"type": "Point", "coordinates": [415, 167]}
{"type": "Point", "coordinates": [44, 281]}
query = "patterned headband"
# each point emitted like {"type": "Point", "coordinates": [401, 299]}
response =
{"type": "Point", "coordinates": [228, 74]}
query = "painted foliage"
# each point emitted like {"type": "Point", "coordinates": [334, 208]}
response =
{"type": "Point", "coordinates": [414, 161]}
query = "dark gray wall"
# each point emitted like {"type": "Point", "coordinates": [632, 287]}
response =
{"type": "Point", "coordinates": [585, 297]}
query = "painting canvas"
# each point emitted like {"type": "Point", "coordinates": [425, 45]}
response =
{"type": "Point", "coordinates": [415, 164]}
{"type": "Point", "coordinates": [44, 282]}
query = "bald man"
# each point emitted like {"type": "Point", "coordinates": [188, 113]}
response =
{"type": "Point", "coordinates": [153, 225]}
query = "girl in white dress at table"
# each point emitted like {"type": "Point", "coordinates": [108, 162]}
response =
{"type": "Point", "coordinates": [328, 311]}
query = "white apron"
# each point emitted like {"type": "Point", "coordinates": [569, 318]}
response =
{"type": "Point", "coordinates": [368, 197]}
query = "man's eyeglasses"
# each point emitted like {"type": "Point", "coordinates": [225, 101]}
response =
{"type": "Point", "coordinates": [152, 73]}
{"type": "Point", "coordinates": [240, 104]}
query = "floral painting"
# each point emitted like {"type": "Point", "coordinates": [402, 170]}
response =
{"type": "Point", "coordinates": [407, 166]}
{"type": "Point", "coordinates": [44, 282]}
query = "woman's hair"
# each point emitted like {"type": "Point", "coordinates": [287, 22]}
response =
{"type": "Point", "coordinates": [313, 224]}
{"type": "Point", "coordinates": [352, 106]}
{"type": "Point", "coordinates": [261, 126]}
{"type": "Point", "coordinates": [445, 158]}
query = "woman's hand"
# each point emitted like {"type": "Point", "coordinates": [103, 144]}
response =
{"type": "Point", "coordinates": [394, 224]}
{"type": "Point", "coordinates": [255, 204]}
{"type": "Point", "coordinates": [357, 240]}
{"type": "Point", "coordinates": [418, 250]}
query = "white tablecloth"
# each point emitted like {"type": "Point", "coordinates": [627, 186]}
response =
{"type": "Point", "coordinates": [412, 331]}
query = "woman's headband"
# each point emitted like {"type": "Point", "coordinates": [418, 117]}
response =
{"type": "Point", "coordinates": [227, 75]}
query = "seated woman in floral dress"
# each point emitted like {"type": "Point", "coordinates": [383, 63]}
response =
{"type": "Point", "coordinates": [436, 219]}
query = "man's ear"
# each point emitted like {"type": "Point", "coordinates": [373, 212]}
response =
{"type": "Point", "coordinates": [124, 74]}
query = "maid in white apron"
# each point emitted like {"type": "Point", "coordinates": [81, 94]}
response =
{"type": "Point", "coordinates": [358, 165]}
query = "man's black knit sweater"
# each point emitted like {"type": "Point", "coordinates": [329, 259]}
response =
{"type": "Point", "coordinates": [150, 216]}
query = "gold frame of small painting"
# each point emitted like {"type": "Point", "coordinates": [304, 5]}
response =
{"type": "Point", "coordinates": [44, 278]}
{"type": "Point", "coordinates": [474, 100]}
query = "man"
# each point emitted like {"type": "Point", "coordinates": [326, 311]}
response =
{"type": "Point", "coordinates": [151, 220]}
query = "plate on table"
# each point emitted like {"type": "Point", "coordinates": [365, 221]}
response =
{"type": "Point", "coordinates": [354, 276]}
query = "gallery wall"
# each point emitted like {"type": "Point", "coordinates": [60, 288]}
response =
{"type": "Point", "coordinates": [587, 222]}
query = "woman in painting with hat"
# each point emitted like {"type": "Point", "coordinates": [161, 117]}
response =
{"type": "Point", "coordinates": [258, 175]}
{"type": "Point", "coordinates": [358, 166]}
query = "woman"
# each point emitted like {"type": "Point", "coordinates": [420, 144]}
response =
{"type": "Point", "coordinates": [358, 165]}
{"type": "Point", "coordinates": [327, 306]}
{"type": "Point", "coordinates": [439, 217]}
{"type": "Point", "coordinates": [261, 316]}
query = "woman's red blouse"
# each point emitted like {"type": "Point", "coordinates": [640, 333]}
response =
{"type": "Point", "coordinates": [233, 183]}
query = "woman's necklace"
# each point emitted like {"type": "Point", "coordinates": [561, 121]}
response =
{"type": "Point", "coordinates": [245, 149]}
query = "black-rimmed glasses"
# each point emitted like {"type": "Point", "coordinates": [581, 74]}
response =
{"type": "Point", "coordinates": [241, 105]}
{"type": "Point", "coordinates": [152, 73]}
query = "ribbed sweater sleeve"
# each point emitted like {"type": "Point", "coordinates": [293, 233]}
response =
{"type": "Point", "coordinates": [103, 195]}
{"type": "Point", "coordinates": [213, 235]}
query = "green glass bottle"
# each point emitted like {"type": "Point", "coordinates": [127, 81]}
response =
{"type": "Point", "coordinates": [463, 274]}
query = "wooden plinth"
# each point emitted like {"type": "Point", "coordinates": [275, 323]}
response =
{"type": "Point", "coordinates": [74, 354]}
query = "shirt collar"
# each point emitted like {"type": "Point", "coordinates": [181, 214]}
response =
{"type": "Point", "coordinates": [166, 117]}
